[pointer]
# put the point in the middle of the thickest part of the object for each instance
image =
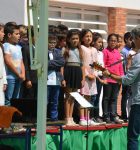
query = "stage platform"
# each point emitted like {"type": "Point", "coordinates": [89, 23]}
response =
{"type": "Point", "coordinates": [105, 137]}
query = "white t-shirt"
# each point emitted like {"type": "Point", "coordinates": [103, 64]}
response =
{"type": "Point", "coordinates": [100, 61]}
{"type": "Point", "coordinates": [2, 78]}
{"type": "Point", "coordinates": [132, 52]}
{"type": "Point", "coordinates": [16, 56]}
{"type": "Point", "coordinates": [52, 80]}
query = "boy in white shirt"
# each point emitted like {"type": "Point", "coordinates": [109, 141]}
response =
{"type": "Point", "coordinates": [14, 63]}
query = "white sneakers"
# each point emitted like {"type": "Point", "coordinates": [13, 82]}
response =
{"type": "Point", "coordinates": [89, 122]}
{"type": "Point", "coordinates": [84, 123]}
{"type": "Point", "coordinates": [70, 122]}
{"type": "Point", "coordinates": [93, 123]}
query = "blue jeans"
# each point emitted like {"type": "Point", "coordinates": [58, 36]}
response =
{"type": "Point", "coordinates": [53, 94]}
{"type": "Point", "coordinates": [93, 101]}
{"type": "Point", "coordinates": [133, 128]}
{"type": "Point", "coordinates": [13, 90]}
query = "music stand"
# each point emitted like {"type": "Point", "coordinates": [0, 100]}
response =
{"type": "Point", "coordinates": [85, 105]}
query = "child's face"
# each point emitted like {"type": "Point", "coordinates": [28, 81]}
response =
{"type": "Point", "coordinates": [14, 37]}
{"type": "Point", "coordinates": [120, 42]}
{"type": "Point", "coordinates": [1, 33]}
{"type": "Point", "coordinates": [129, 42]}
{"type": "Point", "coordinates": [52, 44]}
{"type": "Point", "coordinates": [62, 43]}
{"type": "Point", "coordinates": [87, 39]}
{"type": "Point", "coordinates": [74, 40]}
{"type": "Point", "coordinates": [99, 44]}
{"type": "Point", "coordinates": [112, 43]}
{"type": "Point", "coordinates": [23, 34]}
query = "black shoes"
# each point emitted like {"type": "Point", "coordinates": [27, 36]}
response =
{"type": "Point", "coordinates": [112, 120]}
{"type": "Point", "coordinates": [107, 120]}
{"type": "Point", "coordinates": [117, 120]}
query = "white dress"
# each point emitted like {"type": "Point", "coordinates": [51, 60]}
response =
{"type": "Point", "coordinates": [89, 56]}
{"type": "Point", "coordinates": [2, 78]}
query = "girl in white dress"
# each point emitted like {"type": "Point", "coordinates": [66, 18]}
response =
{"type": "Point", "coordinates": [89, 89]}
{"type": "Point", "coordinates": [3, 81]}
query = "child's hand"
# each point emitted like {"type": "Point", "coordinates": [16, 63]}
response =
{"type": "Point", "coordinates": [104, 82]}
{"type": "Point", "coordinates": [106, 73]}
{"type": "Point", "coordinates": [28, 84]}
{"type": "Point", "coordinates": [4, 87]}
{"type": "Point", "coordinates": [63, 83]}
{"type": "Point", "coordinates": [91, 77]}
{"type": "Point", "coordinates": [22, 77]}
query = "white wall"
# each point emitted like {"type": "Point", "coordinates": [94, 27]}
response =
{"type": "Point", "coordinates": [12, 10]}
{"type": "Point", "coordinates": [15, 10]}
{"type": "Point", "coordinates": [129, 4]}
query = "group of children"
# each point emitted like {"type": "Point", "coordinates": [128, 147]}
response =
{"type": "Point", "coordinates": [81, 49]}
{"type": "Point", "coordinates": [70, 53]}
{"type": "Point", "coordinates": [15, 55]}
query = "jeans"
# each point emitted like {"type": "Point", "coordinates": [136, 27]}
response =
{"type": "Point", "coordinates": [110, 93]}
{"type": "Point", "coordinates": [53, 94]}
{"type": "Point", "coordinates": [133, 131]}
{"type": "Point", "coordinates": [13, 90]}
{"type": "Point", "coordinates": [93, 100]}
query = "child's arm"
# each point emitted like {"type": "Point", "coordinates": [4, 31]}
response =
{"type": "Point", "coordinates": [91, 77]}
{"type": "Point", "coordinates": [63, 82]}
{"type": "Point", "coordinates": [88, 75]}
{"type": "Point", "coordinates": [83, 73]}
{"type": "Point", "coordinates": [103, 81]}
{"type": "Point", "coordinates": [22, 71]}
{"type": "Point", "coordinates": [4, 79]}
{"type": "Point", "coordinates": [57, 62]}
{"type": "Point", "coordinates": [8, 62]}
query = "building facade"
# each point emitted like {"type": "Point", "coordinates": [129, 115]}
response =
{"type": "Point", "coordinates": [100, 16]}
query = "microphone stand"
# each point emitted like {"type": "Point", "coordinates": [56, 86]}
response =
{"type": "Point", "coordinates": [87, 128]}
{"type": "Point", "coordinates": [86, 106]}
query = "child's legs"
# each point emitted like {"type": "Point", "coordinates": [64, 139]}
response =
{"type": "Point", "coordinates": [107, 89]}
{"type": "Point", "coordinates": [69, 102]}
{"type": "Point", "coordinates": [17, 88]}
{"type": "Point", "coordinates": [93, 100]}
{"type": "Point", "coordinates": [125, 92]}
{"type": "Point", "coordinates": [71, 107]}
{"type": "Point", "coordinates": [49, 99]}
{"type": "Point", "coordinates": [2, 98]}
{"type": "Point", "coordinates": [113, 99]}
{"type": "Point", "coordinates": [84, 113]}
{"type": "Point", "coordinates": [94, 103]}
{"type": "Point", "coordinates": [9, 91]}
{"type": "Point", "coordinates": [53, 93]}
{"type": "Point", "coordinates": [99, 88]}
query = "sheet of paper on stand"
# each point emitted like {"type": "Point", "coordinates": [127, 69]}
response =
{"type": "Point", "coordinates": [81, 100]}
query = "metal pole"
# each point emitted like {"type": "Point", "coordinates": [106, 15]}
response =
{"type": "Point", "coordinates": [42, 47]}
